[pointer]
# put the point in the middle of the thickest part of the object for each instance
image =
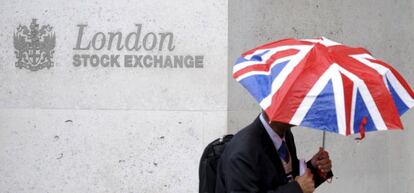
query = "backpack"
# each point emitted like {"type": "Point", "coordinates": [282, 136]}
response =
{"type": "Point", "coordinates": [208, 164]}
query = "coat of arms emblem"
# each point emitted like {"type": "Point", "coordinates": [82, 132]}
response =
{"type": "Point", "coordinates": [34, 46]}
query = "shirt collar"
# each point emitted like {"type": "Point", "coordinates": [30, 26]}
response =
{"type": "Point", "coordinates": [276, 139]}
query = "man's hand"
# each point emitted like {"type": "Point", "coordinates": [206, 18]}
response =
{"type": "Point", "coordinates": [306, 182]}
{"type": "Point", "coordinates": [321, 161]}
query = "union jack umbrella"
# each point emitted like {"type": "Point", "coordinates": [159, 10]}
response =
{"type": "Point", "coordinates": [322, 84]}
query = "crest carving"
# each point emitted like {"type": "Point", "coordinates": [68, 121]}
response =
{"type": "Point", "coordinates": [34, 46]}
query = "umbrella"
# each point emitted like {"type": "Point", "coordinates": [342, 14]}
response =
{"type": "Point", "coordinates": [322, 84]}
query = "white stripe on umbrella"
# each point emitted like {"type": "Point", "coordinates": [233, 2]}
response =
{"type": "Point", "coordinates": [310, 97]}
{"type": "Point", "coordinates": [401, 91]}
{"type": "Point", "coordinates": [280, 79]}
{"type": "Point", "coordinates": [338, 89]}
{"type": "Point", "coordinates": [351, 121]}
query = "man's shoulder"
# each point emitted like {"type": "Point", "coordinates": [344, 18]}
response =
{"type": "Point", "coordinates": [246, 141]}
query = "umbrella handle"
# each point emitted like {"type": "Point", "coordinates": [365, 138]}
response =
{"type": "Point", "coordinates": [323, 139]}
{"type": "Point", "coordinates": [321, 174]}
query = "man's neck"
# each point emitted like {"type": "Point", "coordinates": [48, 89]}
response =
{"type": "Point", "coordinates": [277, 127]}
{"type": "Point", "coordinates": [280, 131]}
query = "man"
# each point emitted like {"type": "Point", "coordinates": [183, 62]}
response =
{"type": "Point", "coordinates": [261, 158]}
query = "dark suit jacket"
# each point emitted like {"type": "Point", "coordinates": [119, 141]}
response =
{"type": "Point", "coordinates": [250, 163]}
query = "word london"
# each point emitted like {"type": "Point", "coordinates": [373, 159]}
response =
{"type": "Point", "coordinates": [132, 42]}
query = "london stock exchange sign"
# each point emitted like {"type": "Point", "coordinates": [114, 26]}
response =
{"type": "Point", "coordinates": [34, 49]}
{"type": "Point", "coordinates": [34, 46]}
{"type": "Point", "coordinates": [139, 50]}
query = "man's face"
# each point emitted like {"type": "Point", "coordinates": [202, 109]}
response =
{"type": "Point", "coordinates": [280, 125]}
{"type": "Point", "coordinates": [280, 128]}
{"type": "Point", "coordinates": [277, 126]}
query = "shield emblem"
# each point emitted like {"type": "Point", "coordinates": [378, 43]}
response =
{"type": "Point", "coordinates": [34, 46]}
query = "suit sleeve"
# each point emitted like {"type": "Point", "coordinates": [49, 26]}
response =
{"type": "Point", "coordinates": [316, 177]}
{"type": "Point", "coordinates": [242, 178]}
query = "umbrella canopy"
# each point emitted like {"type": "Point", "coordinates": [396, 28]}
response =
{"type": "Point", "coordinates": [319, 83]}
